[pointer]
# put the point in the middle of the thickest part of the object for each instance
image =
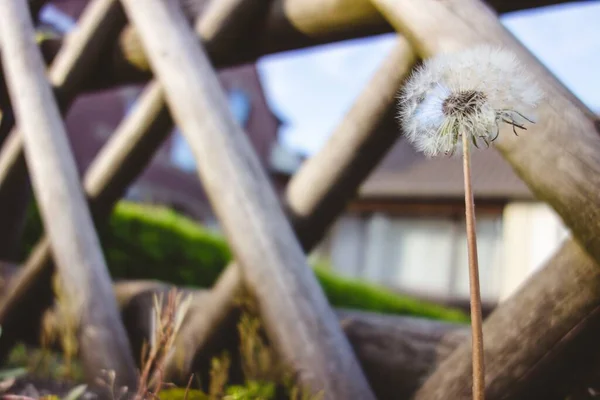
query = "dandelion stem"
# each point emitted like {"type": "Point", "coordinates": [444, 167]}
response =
{"type": "Point", "coordinates": [476, 320]}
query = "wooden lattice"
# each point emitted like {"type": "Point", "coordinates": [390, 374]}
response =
{"type": "Point", "coordinates": [539, 343]}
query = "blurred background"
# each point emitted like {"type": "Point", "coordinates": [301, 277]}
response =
{"type": "Point", "coordinates": [405, 229]}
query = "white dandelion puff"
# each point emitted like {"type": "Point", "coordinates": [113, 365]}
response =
{"type": "Point", "coordinates": [469, 93]}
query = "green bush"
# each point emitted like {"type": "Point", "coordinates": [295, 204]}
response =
{"type": "Point", "coordinates": [142, 242]}
{"type": "Point", "coordinates": [151, 242]}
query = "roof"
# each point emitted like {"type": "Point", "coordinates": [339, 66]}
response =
{"type": "Point", "coordinates": [407, 174]}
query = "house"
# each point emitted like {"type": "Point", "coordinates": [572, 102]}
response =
{"type": "Point", "coordinates": [406, 229]}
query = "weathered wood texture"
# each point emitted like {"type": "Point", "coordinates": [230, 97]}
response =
{"type": "Point", "coordinates": [99, 24]}
{"type": "Point", "coordinates": [540, 342]}
{"type": "Point", "coordinates": [76, 62]}
{"type": "Point", "coordinates": [291, 24]}
{"type": "Point", "coordinates": [125, 155]}
{"type": "Point", "coordinates": [119, 162]}
{"type": "Point", "coordinates": [319, 191]}
{"type": "Point", "coordinates": [82, 270]}
{"type": "Point", "coordinates": [398, 353]}
{"type": "Point", "coordinates": [295, 311]}
{"type": "Point", "coordinates": [557, 158]}
{"type": "Point", "coordinates": [7, 117]}
{"type": "Point", "coordinates": [6, 112]}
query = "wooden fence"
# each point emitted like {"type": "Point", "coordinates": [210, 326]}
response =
{"type": "Point", "coordinates": [538, 344]}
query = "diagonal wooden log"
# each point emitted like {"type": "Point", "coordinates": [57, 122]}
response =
{"type": "Point", "coordinates": [558, 160]}
{"type": "Point", "coordinates": [294, 309]}
{"type": "Point", "coordinates": [13, 208]}
{"type": "Point", "coordinates": [319, 191]}
{"type": "Point", "coordinates": [291, 24]}
{"type": "Point", "coordinates": [6, 114]}
{"type": "Point", "coordinates": [99, 26]}
{"type": "Point", "coordinates": [82, 269]}
{"type": "Point", "coordinates": [119, 162]}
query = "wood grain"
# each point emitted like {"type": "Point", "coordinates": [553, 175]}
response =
{"type": "Point", "coordinates": [82, 270]}
{"type": "Point", "coordinates": [73, 65]}
{"type": "Point", "coordinates": [99, 24]}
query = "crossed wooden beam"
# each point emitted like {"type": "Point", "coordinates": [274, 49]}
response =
{"type": "Point", "coordinates": [532, 340]}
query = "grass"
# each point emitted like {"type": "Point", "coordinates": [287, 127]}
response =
{"type": "Point", "coordinates": [265, 376]}
{"type": "Point", "coordinates": [355, 294]}
{"type": "Point", "coordinates": [143, 241]}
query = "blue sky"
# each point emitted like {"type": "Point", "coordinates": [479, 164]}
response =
{"type": "Point", "coordinates": [312, 88]}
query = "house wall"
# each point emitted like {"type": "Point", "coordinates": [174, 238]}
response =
{"type": "Point", "coordinates": [427, 254]}
{"type": "Point", "coordinates": [418, 254]}
{"type": "Point", "coordinates": [532, 233]}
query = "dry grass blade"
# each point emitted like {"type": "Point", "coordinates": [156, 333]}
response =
{"type": "Point", "coordinates": [166, 321]}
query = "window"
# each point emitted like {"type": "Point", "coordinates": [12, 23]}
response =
{"type": "Point", "coordinates": [239, 103]}
{"type": "Point", "coordinates": [489, 249]}
{"type": "Point", "coordinates": [423, 255]}
{"type": "Point", "coordinates": [419, 254]}
{"type": "Point", "coordinates": [346, 249]}
{"type": "Point", "coordinates": [181, 154]}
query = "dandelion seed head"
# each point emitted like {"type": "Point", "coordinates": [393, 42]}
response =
{"type": "Point", "coordinates": [470, 92]}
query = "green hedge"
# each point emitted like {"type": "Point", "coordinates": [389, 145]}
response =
{"type": "Point", "coordinates": [356, 294]}
{"type": "Point", "coordinates": [143, 242]}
